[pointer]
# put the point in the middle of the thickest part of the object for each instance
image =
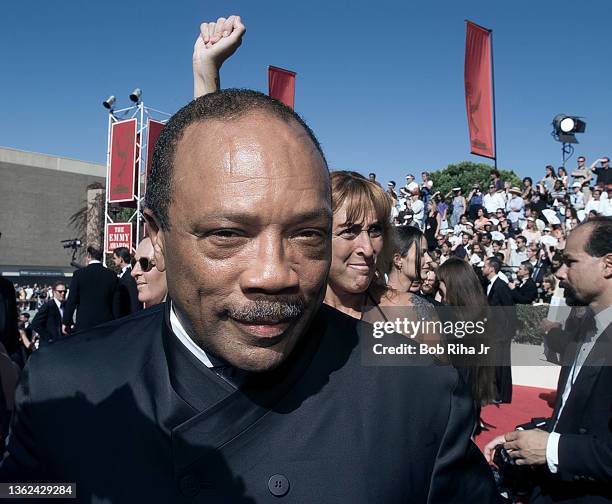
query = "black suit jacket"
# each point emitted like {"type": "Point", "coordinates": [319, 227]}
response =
{"type": "Point", "coordinates": [128, 294]}
{"type": "Point", "coordinates": [9, 334]}
{"type": "Point", "coordinates": [48, 322]}
{"type": "Point", "coordinates": [526, 293]}
{"type": "Point", "coordinates": [153, 424]}
{"type": "Point", "coordinates": [93, 294]}
{"type": "Point", "coordinates": [585, 424]}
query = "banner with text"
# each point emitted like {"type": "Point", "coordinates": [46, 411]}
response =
{"type": "Point", "coordinates": [281, 85]}
{"type": "Point", "coordinates": [118, 235]}
{"type": "Point", "coordinates": [122, 170]}
{"type": "Point", "coordinates": [479, 90]}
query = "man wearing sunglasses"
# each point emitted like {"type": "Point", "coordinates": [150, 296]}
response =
{"type": "Point", "coordinates": [48, 320]}
{"type": "Point", "coordinates": [242, 386]}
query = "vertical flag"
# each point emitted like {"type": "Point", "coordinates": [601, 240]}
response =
{"type": "Point", "coordinates": [122, 169]}
{"type": "Point", "coordinates": [153, 130]}
{"type": "Point", "coordinates": [478, 75]}
{"type": "Point", "coordinates": [281, 85]}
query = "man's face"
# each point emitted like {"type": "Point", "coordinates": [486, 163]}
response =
{"type": "Point", "coordinates": [59, 292]}
{"type": "Point", "coordinates": [117, 261]}
{"type": "Point", "coordinates": [487, 270]}
{"type": "Point", "coordinates": [580, 161]}
{"type": "Point", "coordinates": [465, 239]}
{"type": "Point", "coordinates": [428, 284]}
{"type": "Point", "coordinates": [582, 275]}
{"type": "Point", "coordinates": [492, 190]}
{"type": "Point", "coordinates": [248, 249]}
{"type": "Point", "coordinates": [522, 272]}
{"type": "Point", "coordinates": [521, 244]}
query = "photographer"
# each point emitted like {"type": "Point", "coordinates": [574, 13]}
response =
{"type": "Point", "coordinates": [572, 456]}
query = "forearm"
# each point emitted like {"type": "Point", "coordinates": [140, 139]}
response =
{"type": "Point", "coordinates": [206, 78]}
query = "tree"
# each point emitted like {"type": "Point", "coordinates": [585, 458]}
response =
{"type": "Point", "coordinates": [466, 174]}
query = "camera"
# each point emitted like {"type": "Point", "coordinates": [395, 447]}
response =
{"type": "Point", "coordinates": [75, 243]}
{"type": "Point", "coordinates": [515, 482]}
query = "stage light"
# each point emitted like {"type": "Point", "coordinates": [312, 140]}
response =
{"type": "Point", "coordinates": [565, 127]}
{"type": "Point", "coordinates": [109, 102]}
{"type": "Point", "coordinates": [135, 95]}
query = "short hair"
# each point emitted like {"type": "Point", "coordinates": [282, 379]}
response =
{"type": "Point", "coordinates": [57, 283]}
{"type": "Point", "coordinates": [123, 253]}
{"type": "Point", "coordinates": [528, 266]}
{"type": "Point", "coordinates": [372, 173]}
{"type": "Point", "coordinates": [363, 197]}
{"type": "Point", "coordinates": [392, 182]}
{"type": "Point", "coordinates": [494, 172]}
{"type": "Point", "coordinates": [498, 242]}
{"type": "Point", "coordinates": [487, 235]}
{"type": "Point", "coordinates": [227, 105]}
{"type": "Point", "coordinates": [598, 244]}
{"type": "Point", "coordinates": [494, 263]}
{"type": "Point", "coordinates": [94, 253]}
{"type": "Point", "coordinates": [521, 237]}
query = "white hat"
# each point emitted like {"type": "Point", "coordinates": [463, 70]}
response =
{"type": "Point", "coordinates": [497, 236]}
{"type": "Point", "coordinates": [577, 185]}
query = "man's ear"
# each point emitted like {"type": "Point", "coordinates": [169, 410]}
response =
{"type": "Point", "coordinates": [157, 239]}
{"type": "Point", "coordinates": [607, 265]}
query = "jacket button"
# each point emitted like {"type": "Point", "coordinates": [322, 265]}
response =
{"type": "Point", "coordinates": [582, 430]}
{"type": "Point", "coordinates": [189, 485]}
{"type": "Point", "coordinates": [278, 485]}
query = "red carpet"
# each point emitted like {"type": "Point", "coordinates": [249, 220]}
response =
{"type": "Point", "coordinates": [527, 403]}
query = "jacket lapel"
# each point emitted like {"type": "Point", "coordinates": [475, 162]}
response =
{"type": "Point", "coordinates": [582, 388]}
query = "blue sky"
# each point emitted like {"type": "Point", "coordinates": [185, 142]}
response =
{"type": "Point", "coordinates": [381, 83]}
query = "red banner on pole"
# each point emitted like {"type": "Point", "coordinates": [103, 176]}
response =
{"type": "Point", "coordinates": [281, 85]}
{"type": "Point", "coordinates": [122, 170]}
{"type": "Point", "coordinates": [153, 130]}
{"type": "Point", "coordinates": [118, 235]}
{"type": "Point", "coordinates": [479, 90]}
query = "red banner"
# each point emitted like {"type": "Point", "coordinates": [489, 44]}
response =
{"type": "Point", "coordinates": [281, 85]}
{"type": "Point", "coordinates": [153, 130]}
{"type": "Point", "coordinates": [122, 170]}
{"type": "Point", "coordinates": [118, 235]}
{"type": "Point", "coordinates": [479, 90]}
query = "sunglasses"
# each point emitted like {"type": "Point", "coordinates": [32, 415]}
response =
{"type": "Point", "coordinates": [60, 291]}
{"type": "Point", "coordinates": [146, 264]}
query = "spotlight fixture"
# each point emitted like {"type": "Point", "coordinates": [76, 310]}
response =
{"type": "Point", "coordinates": [109, 102]}
{"type": "Point", "coordinates": [135, 95]}
{"type": "Point", "coordinates": [565, 127]}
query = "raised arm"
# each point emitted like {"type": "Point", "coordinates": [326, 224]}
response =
{"type": "Point", "coordinates": [217, 42]}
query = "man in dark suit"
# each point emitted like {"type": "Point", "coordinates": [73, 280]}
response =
{"type": "Point", "coordinates": [526, 291]}
{"type": "Point", "coordinates": [574, 456]}
{"type": "Point", "coordinates": [48, 320]}
{"type": "Point", "coordinates": [499, 296]}
{"type": "Point", "coordinates": [127, 290]}
{"type": "Point", "coordinates": [9, 334]}
{"type": "Point", "coordinates": [92, 294]}
{"type": "Point", "coordinates": [243, 387]}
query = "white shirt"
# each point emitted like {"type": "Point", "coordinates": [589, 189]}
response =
{"type": "Point", "coordinates": [418, 209]}
{"type": "Point", "coordinates": [491, 282]}
{"type": "Point", "coordinates": [602, 320]}
{"type": "Point", "coordinates": [59, 306]}
{"type": "Point", "coordinates": [411, 187]}
{"type": "Point", "coordinates": [492, 202]}
{"type": "Point", "coordinates": [123, 270]}
{"type": "Point", "coordinates": [185, 339]}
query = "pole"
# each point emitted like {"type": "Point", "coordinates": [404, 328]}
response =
{"type": "Point", "coordinates": [493, 93]}
{"type": "Point", "coordinates": [106, 217]}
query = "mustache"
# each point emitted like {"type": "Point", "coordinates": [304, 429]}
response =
{"type": "Point", "coordinates": [269, 311]}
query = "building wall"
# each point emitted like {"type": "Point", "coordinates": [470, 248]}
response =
{"type": "Point", "coordinates": [38, 194]}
